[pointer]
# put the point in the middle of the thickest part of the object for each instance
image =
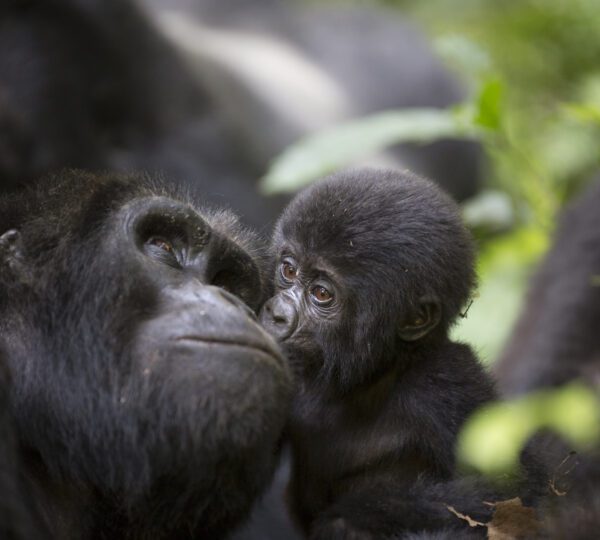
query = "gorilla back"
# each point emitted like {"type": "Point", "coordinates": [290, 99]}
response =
{"type": "Point", "coordinates": [147, 400]}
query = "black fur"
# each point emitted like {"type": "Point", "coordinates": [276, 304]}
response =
{"type": "Point", "coordinates": [381, 390]}
{"type": "Point", "coordinates": [134, 104]}
{"type": "Point", "coordinates": [556, 340]}
{"type": "Point", "coordinates": [18, 517]}
{"type": "Point", "coordinates": [148, 403]}
{"type": "Point", "coordinates": [374, 57]}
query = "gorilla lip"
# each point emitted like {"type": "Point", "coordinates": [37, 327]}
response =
{"type": "Point", "coordinates": [211, 341]}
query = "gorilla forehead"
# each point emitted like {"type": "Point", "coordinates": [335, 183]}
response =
{"type": "Point", "coordinates": [370, 215]}
{"type": "Point", "coordinates": [79, 201]}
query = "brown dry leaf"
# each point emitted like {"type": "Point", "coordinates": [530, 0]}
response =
{"type": "Point", "coordinates": [469, 520]}
{"type": "Point", "coordinates": [512, 521]}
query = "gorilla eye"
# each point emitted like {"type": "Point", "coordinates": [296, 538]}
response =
{"type": "Point", "coordinates": [321, 295]}
{"type": "Point", "coordinates": [288, 271]}
{"type": "Point", "coordinates": [160, 243]}
{"type": "Point", "coordinates": [163, 251]}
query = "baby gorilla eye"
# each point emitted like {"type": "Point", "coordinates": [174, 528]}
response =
{"type": "Point", "coordinates": [321, 295]}
{"type": "Point", "coordinates": [288, 271]}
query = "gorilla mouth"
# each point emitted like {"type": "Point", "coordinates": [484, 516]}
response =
{"type": "Point", "coordinates": [271, 352]}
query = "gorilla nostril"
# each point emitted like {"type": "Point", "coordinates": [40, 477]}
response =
{"type": "Point", "coordinates": [280, 312]}
{"type": "Point", "coordinates": [279, 319]}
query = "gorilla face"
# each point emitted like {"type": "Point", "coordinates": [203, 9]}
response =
{"type": "Point", "coordinates": [369, 265]}
{"type": "Point", "coordinates": [143, 381]}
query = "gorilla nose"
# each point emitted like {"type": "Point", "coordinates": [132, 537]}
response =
{"type": "Point", "coordinates": [279, 317]}
{"type": "Point", "coordinates": [236, 302]}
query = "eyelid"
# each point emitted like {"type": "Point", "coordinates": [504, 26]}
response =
{"type": "Point", "coordinates": [170, 256]}
{"type": "Point", "coordinates": [285, 262]}
{"type": "Point", "coordinates": [152, 240]}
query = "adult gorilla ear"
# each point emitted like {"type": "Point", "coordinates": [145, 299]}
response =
{"type": "Point", "coordinates": [426, 319]}
{"type": "Point", "coordinates": [12, 260]}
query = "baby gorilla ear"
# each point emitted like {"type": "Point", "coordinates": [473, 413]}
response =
{"type": "Point", "coordinates": [426, 319]}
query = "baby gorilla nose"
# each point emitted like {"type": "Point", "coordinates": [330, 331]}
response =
{"type": "Point", "coordinates": [279, 317]}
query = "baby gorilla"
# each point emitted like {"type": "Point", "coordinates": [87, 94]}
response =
{"type": "Point", "coordinates": [372, 268]}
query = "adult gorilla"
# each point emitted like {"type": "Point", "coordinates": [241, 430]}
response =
{"type": "Point", "coordinates": [294, 67]}
{"type": "Point", "coordinates": [93, 84]}
{"type": "Point", "coordinates": [148, 402]}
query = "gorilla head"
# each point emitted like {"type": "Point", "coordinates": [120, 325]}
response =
{"type": "Point", "coordinates": [371, 265]}
{"type": "Point", "coordinates": [148, 401]}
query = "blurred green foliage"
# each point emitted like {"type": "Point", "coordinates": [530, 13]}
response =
{"type": "Point", "coordinates": [544, 55]}
{"type": "Point", "coordinates": [503, 267]}
{"type": "Point", "coordinates": [323, 153]}
{"type": "Point", "coordinates": [492, 439]}
{"type": "Point", "coordinates": [532, 70]}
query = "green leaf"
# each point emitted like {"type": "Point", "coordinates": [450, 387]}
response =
{"type": "Point", "coordinates": [504, 267]}
{"type": "Point", "coordinates": [463, 52]}
{"type": "Point", "coordinates": [585, 113]}
{"type": "Point", "coordinates": [324, 152]}
{"type": "Point", "coordinates": [489, 105]}
{"type": "Point", "coordinates": [492, 439]}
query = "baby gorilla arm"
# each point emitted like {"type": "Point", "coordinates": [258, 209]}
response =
{"type": "Point", "coordinates": [380, 510]}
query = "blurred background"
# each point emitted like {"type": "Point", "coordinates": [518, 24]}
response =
{"type": "Point", "coordinates": [244, 102]}
{"type": "Point", "coordinates": [498, 102]}
{"type": "Point", "coordinates": [534, 79]}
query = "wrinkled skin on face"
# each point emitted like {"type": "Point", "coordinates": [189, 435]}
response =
{"type": "Point", "coordinates": [146, 396]}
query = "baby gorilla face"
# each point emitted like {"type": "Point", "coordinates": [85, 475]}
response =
{"type": "Point", "coordinates": [365, 264]}
{"type": "Point", "coordinates": [309, 307]}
